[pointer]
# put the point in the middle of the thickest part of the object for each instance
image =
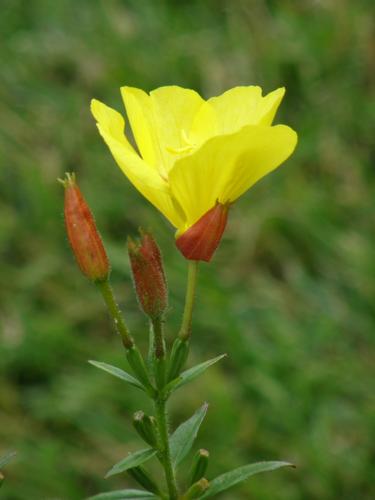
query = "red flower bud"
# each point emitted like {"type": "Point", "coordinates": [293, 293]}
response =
{"type": "Point", "coordinates": [200, 241]}
{"type": "Point", "coordinates": [82, 233]}
{"type": "Point", "coordinates": [148, 274]}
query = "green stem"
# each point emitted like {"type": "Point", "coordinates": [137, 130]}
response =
{"type": "Point", "coordinates": [185, 329]}
{"type": "Point", "coordinates": [158, 337]}
{"type": "Point", "coordinates": [158, 357]}
{"type": "Point", "coordinates": [115, 312]}
{"type": "Point", "coordinates": [170, 476]}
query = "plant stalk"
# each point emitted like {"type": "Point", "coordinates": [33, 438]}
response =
{"type": "Point", "coordinates": [158, 337]}
{"type": "Point", "coordinates": [185, 330]}
{"type": "Point", "coordinates": [162, 421]}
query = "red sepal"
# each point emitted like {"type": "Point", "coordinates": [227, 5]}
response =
{"type": "Point", "coordinates": [200, 241]}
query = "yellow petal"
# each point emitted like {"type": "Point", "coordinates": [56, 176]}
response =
{"type": "Point", "coordinates": [159, 120]}
{"type": "Point", "coordinates": [227, 166]}
{"type": "Point", "coordinates": [142, 121]}
{"type": "Point", "coordinates": [268, 106]}
{"type": "Point", "coordinates": [146, 179]}
{"type": "Point", "coordinates": [205, 124]}
{"type": "Point", "coordinates": [243, 106]}
{"type": "Point", "coordinates": [174, 108]}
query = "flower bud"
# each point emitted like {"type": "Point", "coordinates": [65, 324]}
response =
{"type": "Point", "coordinates": [199, 465]}
{"type": "Point", "coordinates": [82, 233]}
{"type": "Point", "coordinates": [200, 241]}
{"type": "Point", "coordinates": [146, 427]}
{"type": "Point", "coordinates": [148, 274]}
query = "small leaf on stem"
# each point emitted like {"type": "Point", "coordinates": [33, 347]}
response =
{"type": "Point", "coordinates": [183, 438]}
{"type": "Point", "coordinates": [235, 476]}
{"type": "Point", "coordinates": [132, 460]}
{"type": "Point", "coordinates": [123, 495]}
{"type": "Point", "coordinates": [192, 373]}
{"type": "Point", "coordinates": [117, 372]}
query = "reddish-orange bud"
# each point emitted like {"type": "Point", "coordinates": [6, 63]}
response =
{"type": "Point", "coordinates": [200, 241]}
{"type": "Point", "coordinates": [148, 274]}
{"type": "Point", "coordinates": [82, 233]}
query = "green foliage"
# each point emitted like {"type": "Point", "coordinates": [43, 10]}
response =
{"type": "Point", "coordinates": [5, 459]}
{"type": "Point", "coordinates": [123, 495]}
{"type": "Point", "coordinates": [184, 436]}
{"type": "Point", "coordinates": [289, 295]}
{"type": "Point", "coordinates": [132, 460]}
{"type": "Point", "coordinates": [192, 373]}
{"type": "Point", "coordinates": [117, 372]}
{"type": "Point", "coordinates": [229, 479]}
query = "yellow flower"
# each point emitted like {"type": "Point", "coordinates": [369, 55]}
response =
{"type": "Point", "coordinates": [194, 153]}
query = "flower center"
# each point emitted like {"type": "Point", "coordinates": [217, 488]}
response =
{"type": "Point", "coordinates": [186, 145]}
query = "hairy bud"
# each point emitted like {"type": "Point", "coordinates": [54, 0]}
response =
{"type": "Point", "coordinates": [148, 274]}
{"type": "Point", "coordinates": [82, 233]}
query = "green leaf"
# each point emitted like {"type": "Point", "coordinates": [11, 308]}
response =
{"type": "Point", "coordinates": [123, 495]}
{"type": "Point", "coordinates": [132, 460]}
{"type": "Point", "coordinates": [191, 374]}
{"type": "Point", "coordinates": [5, 459]}
{"type": "Point", "coordinates": [235, 476]}
{"type": "Point", "coordinates": [183, 438]}
{"type": "Point", "coordinates": [117, 372]}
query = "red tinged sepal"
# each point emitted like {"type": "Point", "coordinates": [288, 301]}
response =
{"type": "Point", "coordinates": [82, 233]}
{"type": "Point", "coordinates": [201, 240]}
{"type": "Point", "coordinates": [148, 275]}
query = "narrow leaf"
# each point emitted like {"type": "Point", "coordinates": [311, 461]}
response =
{"type": "Point", "coordinates": [132, 460]}
{"type": "Point", "coordinates": [183, 438]}
{"type": "Point", "coordinates": [5, 459]}
{"type": "Point", "coordinates": [117, 372]}
{"type": "Point", "coordinates": [192, 373]}
{"type": "Point", "coordinates": [235, 476]}
{"type": "Point", "coordinates": [123, 495]}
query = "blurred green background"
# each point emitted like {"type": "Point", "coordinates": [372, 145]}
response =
{"type": "Point", "coordinates": [290, 294]}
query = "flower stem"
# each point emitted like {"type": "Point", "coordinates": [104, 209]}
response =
{"type": "Point", "coordinates": [115, 312]}
{"type": "Point", "coordinates": [185, 329]}
{"type": "Point", "coordinates": [162, 421]}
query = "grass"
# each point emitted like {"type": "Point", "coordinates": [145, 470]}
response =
{"type": "Point", "coordinates": [289, 296]}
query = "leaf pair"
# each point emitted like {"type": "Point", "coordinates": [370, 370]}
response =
{"type": "Point", "coordinates": [217, 485]}
{"type": "Point", "coordinates": [184, 378]}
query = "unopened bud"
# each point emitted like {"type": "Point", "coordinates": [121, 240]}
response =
{"type": "Point", "coordinates": [199, 465]}
{"type": "Point", "coordinates": [82, 233]}
{"type": "Point", "coordinates": [148, 274]}
{"type": "Point", "coordinates": [200, 241]}
{"type": "Point", "coordinates": [197, 489]}
{"type": "Point", "coordinates": [146, 427]}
